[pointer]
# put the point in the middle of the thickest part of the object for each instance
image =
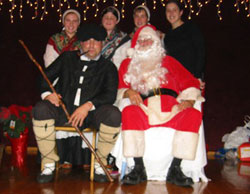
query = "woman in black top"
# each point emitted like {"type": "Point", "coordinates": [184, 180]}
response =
{"type": "Point", "coordinates": [184, 41]}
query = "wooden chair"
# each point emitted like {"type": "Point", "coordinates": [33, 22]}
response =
{"type": "Point", "coordinates": [86, 130]}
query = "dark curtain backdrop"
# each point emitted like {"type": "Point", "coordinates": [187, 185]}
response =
{"type": "Point", "coordinates": [227, 62]}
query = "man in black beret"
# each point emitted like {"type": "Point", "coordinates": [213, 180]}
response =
{"type": "Point", "coordinates": [88, 85]}
{"type": "Point", "coordinates": [88, 31]}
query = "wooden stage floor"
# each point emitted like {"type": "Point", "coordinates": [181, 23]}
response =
{"type": "Point", "coordinates": [226, 178]}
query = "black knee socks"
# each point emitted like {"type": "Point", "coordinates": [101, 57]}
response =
{"type": "Point", "coordinates": [175, 162]}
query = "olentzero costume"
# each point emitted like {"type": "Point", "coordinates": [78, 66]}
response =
{"type": "Point", "coordinates": [81, 80]}
{"type": "Point", "coordinates": [159, 109]}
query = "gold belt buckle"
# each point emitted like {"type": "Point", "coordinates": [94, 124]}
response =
{"type": "Point", "coordinates": [157, 90]}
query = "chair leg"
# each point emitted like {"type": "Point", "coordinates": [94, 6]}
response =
{"type": "Point", "coordinates": [93, 156]}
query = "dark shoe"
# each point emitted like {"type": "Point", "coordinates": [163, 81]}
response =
{"type": "Point", "coordinates": [136, 176]}
{"type": "Point", "coordinates": [101, 178]}
{"type": "Point", "coordinates": [43, 178]}
{"type": "Point", "coordinates": [176, 176]}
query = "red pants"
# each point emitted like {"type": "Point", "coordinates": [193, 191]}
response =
{"type": "Point", "coordinates": [134, 118]}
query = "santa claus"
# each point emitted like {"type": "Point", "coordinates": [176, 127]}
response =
{"type": "Point", "coordinates": [162, 93]}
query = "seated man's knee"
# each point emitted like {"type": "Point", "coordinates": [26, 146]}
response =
{"type": "Point", "coordinates": [41, 110]}
{"type": "Point", "coordinates": [112, 115]}
{"type": "Point", "coordinates": [115, 115]}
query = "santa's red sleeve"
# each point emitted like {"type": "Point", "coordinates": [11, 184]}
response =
{"type": "Point", "coordinates": [189, 86]}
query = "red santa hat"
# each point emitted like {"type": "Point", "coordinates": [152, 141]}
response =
{"type": "Point", "coordinates": [146, 30]}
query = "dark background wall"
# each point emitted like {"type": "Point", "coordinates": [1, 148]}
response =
{"type": "Point", "coordinates": [227, 71]}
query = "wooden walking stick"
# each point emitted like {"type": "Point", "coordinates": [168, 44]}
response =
{"type": "Point", "coordinates": [65, 110]}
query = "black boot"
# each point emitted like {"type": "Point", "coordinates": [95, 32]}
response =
{"type": "Point", "coordinates": [176, 176]}
{"type": "Point", "coordinates": [136, 176]}
{"type": "Point", "coordinates": [99, 175]}
{"type": "Point", "coordinates": [43, 178]}
{"type": "Point", "coordinates": [101, 178]}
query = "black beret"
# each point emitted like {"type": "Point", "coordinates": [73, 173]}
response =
{"type": "Point", "coordinates": [88, 31]}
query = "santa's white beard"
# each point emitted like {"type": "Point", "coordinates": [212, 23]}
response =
{"type": "Point", "coordinates": [145, 72]}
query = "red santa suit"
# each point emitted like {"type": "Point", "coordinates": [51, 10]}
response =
{"type": "Point", "coordinates": [161, 110]}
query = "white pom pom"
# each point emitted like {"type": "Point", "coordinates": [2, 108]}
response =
{"type": "Point", "coordinates": [130, 52]}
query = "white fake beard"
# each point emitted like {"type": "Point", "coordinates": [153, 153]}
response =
{"type": "Point", "coordinates": [145, 72]}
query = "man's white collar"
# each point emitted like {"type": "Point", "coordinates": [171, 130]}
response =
{"type": "Point", "coordinates": [85, 58]}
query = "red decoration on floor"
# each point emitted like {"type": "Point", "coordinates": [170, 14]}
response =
{"type": "Point", "coordinates": [19, 149]}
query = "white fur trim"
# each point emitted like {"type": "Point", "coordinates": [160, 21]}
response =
{"type": "Point", "coordinates": [120, 93]}
{"type": "Point", "coordinates": [130, 52]}
{"type": "Point", "coordinates": [133, 143]}
{"type": "Point", "coordinates": [191, 93]}
{"type": "Point", "coordinates": [154, 112]}
{"type": "Point", "coordinates": [148, 31]}
{"type": "Point", "coordinates": [185, 145]}
{"type": "Point", "coordinates": [121, 54]}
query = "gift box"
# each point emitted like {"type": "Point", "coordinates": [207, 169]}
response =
{"type": "Point", "coordinates": [244, 152]}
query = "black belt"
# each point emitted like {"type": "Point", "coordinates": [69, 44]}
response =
{"type": "Point", "coordinates": [160, 91]}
